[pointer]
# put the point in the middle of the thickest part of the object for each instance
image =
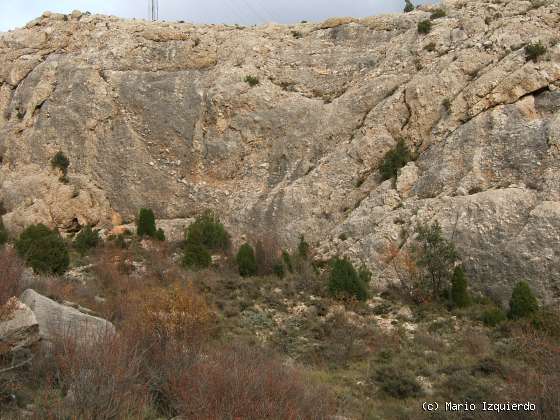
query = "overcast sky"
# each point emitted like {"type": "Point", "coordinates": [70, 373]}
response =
{"type": "Point", "coordinates": [16, 13]}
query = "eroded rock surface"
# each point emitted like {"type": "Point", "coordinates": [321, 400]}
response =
{"type": "Point", "coordinates": [158, 115]}
{"type": "Point", "coordinates": [57, 321]}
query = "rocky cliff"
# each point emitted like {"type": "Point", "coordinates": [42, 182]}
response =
{"type": "Point", "coordinates": [159, 115]}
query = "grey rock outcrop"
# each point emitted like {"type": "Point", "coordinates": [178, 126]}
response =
{"type": "Point", "coordinates": [158, 115]}
{"type": "Point", "coordinates": [58, 321]}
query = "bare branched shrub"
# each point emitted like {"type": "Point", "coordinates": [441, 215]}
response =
{"type": "Point", "coordinates": [161, 271]}
{"type": "Point", "coordinates": [176, 313]}
{"type": "Point", "coordinates": [101, 380]}
{"type": "Point", "coordinates": [406, 270]}
{"type": "Point", "coordinates": [172, 325]}
{"type": "Point", "coordinates": [11, 269]}
{"type": "Point", "coordinates": [112, 269]}
{"type": "Point", "coordinates": [540, 383]}
{"type": "Point", "coordinates": [475, 342]}
{"type": "Point", "coordinates": [343, 340]}
{"type": "Point", "coordinates": [55, 288]}
{"type": "Point", "coordinates": [248, 383]}
{"type": "Point", "coordinates": [267, 253]}
{"type": "Point", "coordinates": [428, 340]}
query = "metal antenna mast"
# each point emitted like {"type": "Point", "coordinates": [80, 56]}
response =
{"type": "Point", "coordinates": [154, 9]}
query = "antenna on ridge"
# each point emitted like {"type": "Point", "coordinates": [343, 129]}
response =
{"type": "Point", "coordinates": [154, 9]}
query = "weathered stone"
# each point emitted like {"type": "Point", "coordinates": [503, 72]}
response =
{"type": "Point", "coordinates": [116, 218]}
{"type": "Point", "coordinates": [79, 274]}
{"type": "Point", "coordinates": [174, 229]}
{"type": "Point", "coordinates": [121, 230]}
{"type": "Point", "coordinates": [34, 195]}
{"type": "Point", "coordinates": [406, 179]}
{"type": "Point", "coordinates": [76, 14]}
{"type": "Point", "coordinates": [405, 313]}
{"type": "Point", "coordinates": [58, 321]}
{"type": "Point", "coordinates": [426, 385]}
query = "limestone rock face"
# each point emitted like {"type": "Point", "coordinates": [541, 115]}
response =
{"type": "Point", "coordinates": [174, 229]}
{"type": "Point", "coordinates": [159, 115]}
{"type": "Point", "coordinates": [59, 321]}
{"type": "Point", "coordinates": [36, 195]}
{"type": "Point", "coordinates": [406, 179]}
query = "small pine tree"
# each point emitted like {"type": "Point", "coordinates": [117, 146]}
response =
{"type": "Point", "coordinates": [3, 233]}
{"type": "Point", "coordinates": [364, 274]}
{"type": "Point", "coordinates": [43, 249]}
{"type": "Point", "coordinates": [246, 261]}
{"type": "Point", "coordinates": [523, 302]}
{"type": "Point", "coordinates": [409, 7]}
{"type": "Point", "coordinates": [493, 316]}
{"type": "Point", "coordinates": [344, 281]}
{"type": "Point", "coordinates": [208, 232]}
{"type": "Point", "coordinates": [61, 162]}
{"type": "Point", "coordinates": [394, 160]}
{"type": "Point", "coordinates": [534, 51]}
{"type": "Point", "coordinates": [303, 248]}
{"type": "Point", "coordinates": [424, 27]}
{"type": "Point", "coordinates": [436, 255]}
{"type": "Point", "coordinates": [287, 261]}
{"type": "Point", "coordinates": [146, 223]}
{"type": "Point", "coordinates": [438, 13]}
{"type": "Point", "coordinates": [459, 293]}
{"type": "Point", "coordinates": [87, 239]}
{"type": "Point", "coordinates": [204, 235]}
{"type": "Point", "coordinates": [278, 269]}
{"type": "Point", "coordinates": [398, 383]}
{"type": "Point", "coordinates": [446, 103]}
{"type": "Point", "coordinates": [160, 235]}
{"type": "Point", "coordinates": [252, 80]}
{"type": "Point", "coordinates": [196, 256]}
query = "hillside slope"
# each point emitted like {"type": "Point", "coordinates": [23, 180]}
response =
{"type": "Point", "coordinates": [159, 115]}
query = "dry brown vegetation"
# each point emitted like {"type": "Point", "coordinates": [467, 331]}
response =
{"type": "Point", "coordinates": [100, 381]}
{"type": "Point", "coordinates": [407, 271]}
{"type": "Point", "coordinates": [247, 383]}
{"type": "Point", "coordinates": [167, 359]}
{"type": "Point", "coordinates": [538, 378]}
{"type": "Point", "coordinates": [267, 253]}
{"type": "Point", "coordinates": [11, 269]}
{"type": "Point", "coordinates": [210, 344]}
